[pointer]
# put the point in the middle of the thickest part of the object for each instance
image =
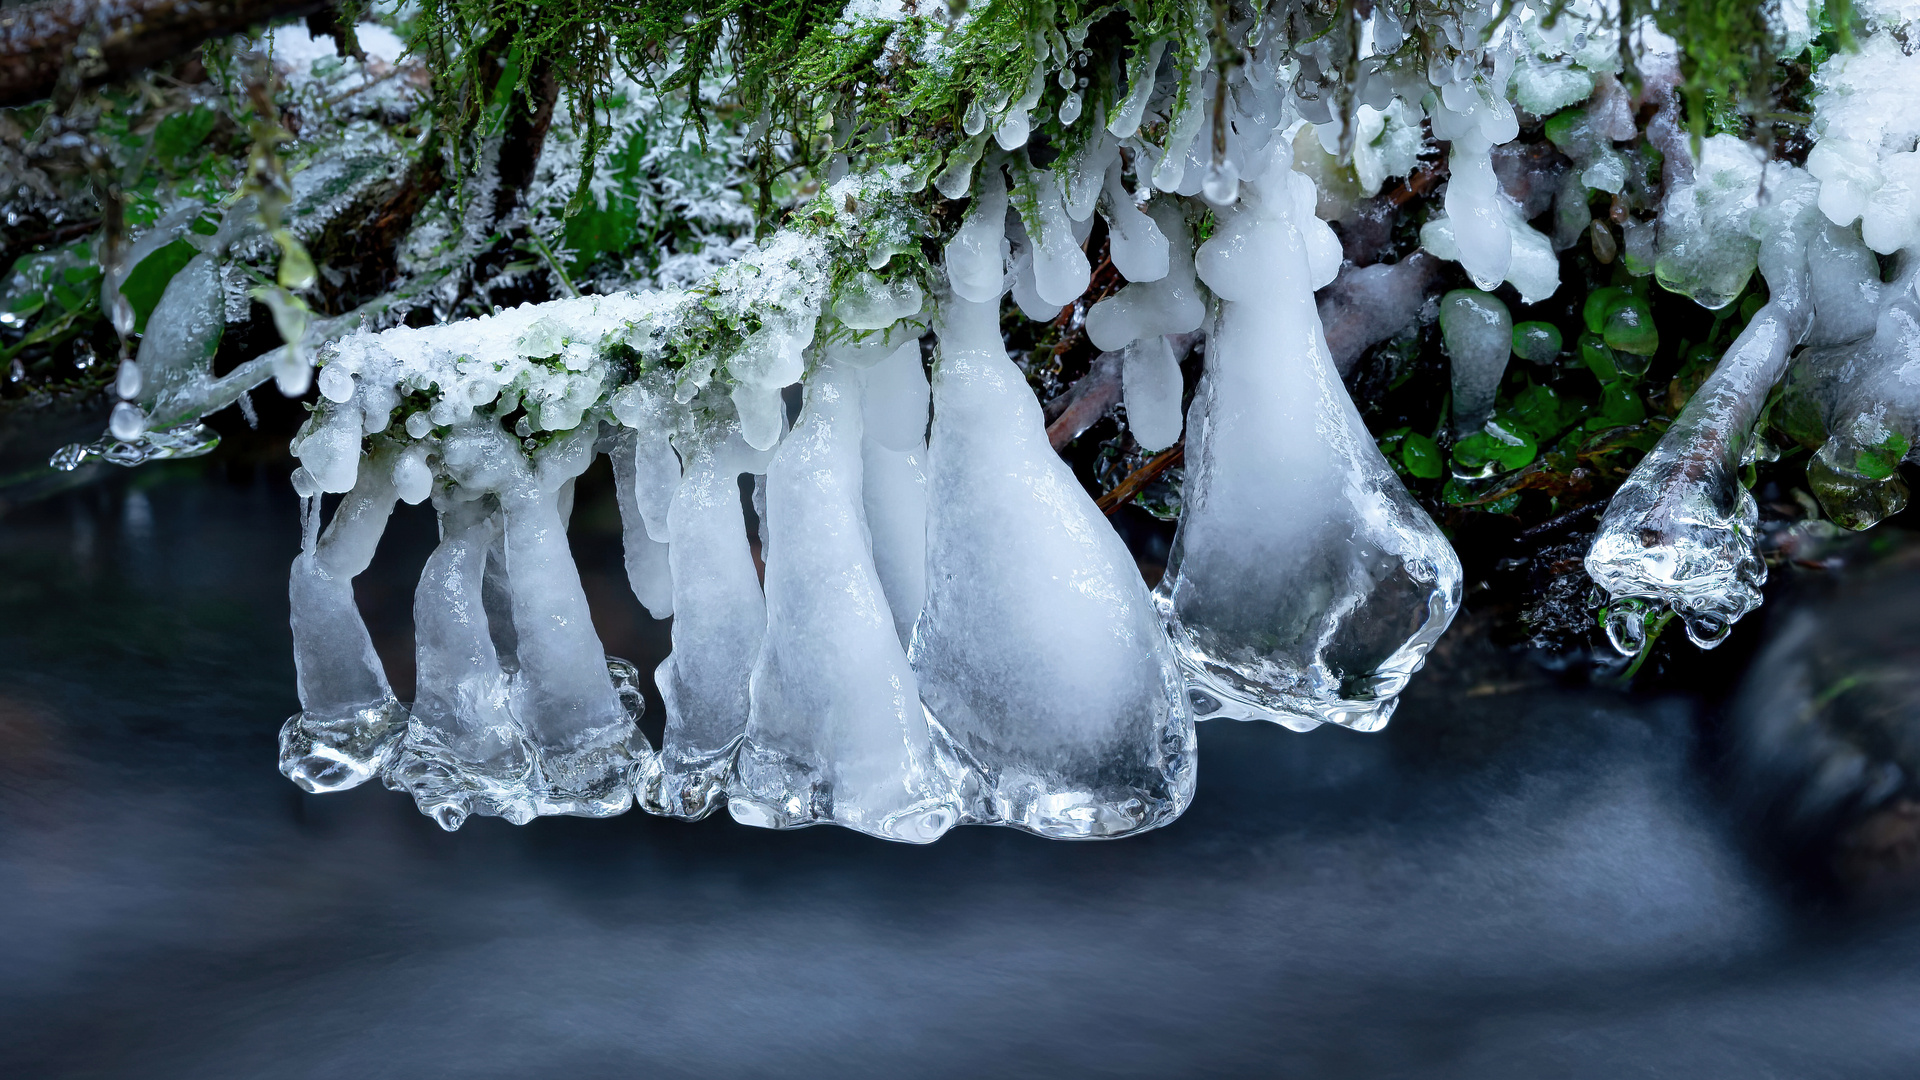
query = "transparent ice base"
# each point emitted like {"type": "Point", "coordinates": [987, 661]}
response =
{"type": "Point", "coordinates": [322, 755]}
{"type": "Point", "coordinates": [185, 441]}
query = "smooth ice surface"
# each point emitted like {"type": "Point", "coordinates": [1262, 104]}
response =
{"type": "Point", "coordinates": [1038, 652]}
{"type": "Point", "coordinates": [1478, 333]}
{"type": "Point", "coordinates": [720, 617]}
{"type": "Point", "coordinates": [349, 719]}
{"type": "Point", "coordinates": [649, 571]}
{"type": "Point", "coordinates": [1151, 385]}
{"type": "Point", "coordinates": [977, 254]}
{"type": "Point", "coordinates": [1305, 584]}
{"type": "Point", "coordinates": [1138, 246]}
{"type": "Point", "coordinates": [1707, 248]}
{"type": "Point", "coordinates": [836, 733]}
{"type": "Point", "coordinates": [1170, 304]}
{"type": "Point", "coordinates": [1060, 269]}
{"type": "Point", "coordinates": [1680, 531]}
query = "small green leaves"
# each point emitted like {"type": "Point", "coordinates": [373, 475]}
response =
{"type": "Point", "coordinates": [1629, 327]}
{"type": "Point", "coordinates": [1600, 303]}
{"type": "Point", "coordinates": [1421, 456]}
{"type": "Point", "coordinates": [1598, 357]}
{"type": "Point", "coordinates": [1502, 444]}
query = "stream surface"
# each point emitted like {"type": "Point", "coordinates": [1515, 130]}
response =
{"type": "Point", "coordinates": [1516, 879]}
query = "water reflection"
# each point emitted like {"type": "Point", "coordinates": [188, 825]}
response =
{"type": "Point", "coordinates": [1514, 880]}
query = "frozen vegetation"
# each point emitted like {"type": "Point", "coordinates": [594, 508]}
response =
{"type": "Point", "coordinates": [946, 628]}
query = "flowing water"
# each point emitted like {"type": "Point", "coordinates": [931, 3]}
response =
{"type": "Point", "coordinates": [1514, 879]}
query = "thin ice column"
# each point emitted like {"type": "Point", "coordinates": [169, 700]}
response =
{"type": "Point", "coordinates": [720, 618]}
{"type": "Point", "coordinates": [349, 720]}
{"type": "Point", "coordinates": [1679, 533]}
{"type": "Point", "coordinates": [836, 732]}
{"type": "Point", "coordinates": [1305, 585]}
{"type": "Point", "coordinates": [1037, 652]}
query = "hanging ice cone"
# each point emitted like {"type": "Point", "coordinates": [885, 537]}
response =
{"type": "Point", "coordinates": [349, 720]}
{"type": "Point", "coordinates": [836, 732]}
{"type": "Point", "coordinates": [1037, 652]}
{"type": "Point", "coordinates": [1679, 533]}
{"type": "Point", "coordinates": [1305, 585]}
{"type": "Point", "coordinates": [720, 618]}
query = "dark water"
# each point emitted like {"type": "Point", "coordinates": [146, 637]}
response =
{"type": "Point", "coordinates": [1515, 880]}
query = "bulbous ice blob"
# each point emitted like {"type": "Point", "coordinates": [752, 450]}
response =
{"type": "Point", "coordinates": [1138, 246]}
{"type": "Point", "coordinates": [1680, 531]}
{"type": "Point", "coordinates": [349, 720]}
{"type": "Point", "coordinates": [869, 303]}
{"type": "Point", "coordinates": [1706, 246]}
{"type": "Point", "coordinates": [1479, 336]}
{"type": "Point", "coordinates": [977, 254]}
{"type": "Point", "coordinates": [1150, 381]}
{"type": "Point", "coordinates": [720, 618]}
{"type": "Point", "coordinates": [1060, 269]}
{"type": "Point", "coordinates": [1169, 305]}
{"type": "Point", "coordinates": [1037, 653]}
{"type": "Point", "coordinates": [1140, 79]}
{"type": "Point", "coordinates": [836, 731]}
{"type": "Point", "coordinates": [329, 446]}
{"type": "Point", "coordinates": [1305, 585]}
{"type": "Point", "coordinates": [1481, 235]}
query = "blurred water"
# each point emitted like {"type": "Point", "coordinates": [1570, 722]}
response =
{"type": "Point", "coordinates": [1514, 880]}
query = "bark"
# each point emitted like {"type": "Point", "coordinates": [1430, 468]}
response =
{"type": "Point", "coordinates": [104, 39]}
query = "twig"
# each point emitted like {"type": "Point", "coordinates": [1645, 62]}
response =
{"type": "Point", "coordinates": [1141, 477]}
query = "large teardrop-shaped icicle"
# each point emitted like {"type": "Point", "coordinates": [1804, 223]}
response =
{"type": "Point", "coordinates": [836, 733]}
{"type": "Point", "coordinates": [1305, 585]}
{"type": "Point", "coordinates": [720, 618]}
{"type": "Point", "coordinates": [1680, 531]}
{"type": "Point", "coordinates": [1038, 651]}
{"type": "Point", "coordinates": [464, 752]}
{"type": "Point", "coordinates": [349, 720]}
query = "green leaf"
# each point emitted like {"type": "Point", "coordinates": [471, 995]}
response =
{"type": "Point", "coordinates": [1421, 456]}
{"type": "Point", "coordinates": [1598, 358]}
{"type": "Point", "coordinates": [1629, 328]}
{"type": "Point", "coordinates": [181, 133]}
{"type": "Point", "coordinates": [1539, 342]}
{"type": "Point", "coordinates": [1541, 411]}
{"type": "Point", "coordinates": [1600, 303]}
{"type": "Point", "coordinates": [1502, 443]}
{"type": "Point", "coordinates": [149, 279]}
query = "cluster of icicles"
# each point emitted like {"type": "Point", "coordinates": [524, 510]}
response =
{"type": "Point", "coordinates": [948, 630]}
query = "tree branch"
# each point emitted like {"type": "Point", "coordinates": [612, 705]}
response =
{"type": "Point", "coordinates": [103, 39]}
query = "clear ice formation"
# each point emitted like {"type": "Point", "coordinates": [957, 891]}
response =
{"type": "Point", "coordinates": [1305, 585]}
{"type": "Point", "coordinates": [1478, 333]}
{"type": "Point", "coordinates": [1679, 532]}
{"type": "Point", "coordinates": [835, 731]}
{"type": "Point", "coordinates": [349, 720]}
{"type": "Point", "coordinates": [1038, 653]}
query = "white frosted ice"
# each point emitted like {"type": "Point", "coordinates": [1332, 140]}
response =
{"type": "Point", "coordinates": [1150, 378]}
{"type": "Point", "coordinates": [1170, 304]}
{"type": "Point", "coordinates": [1060, 269]}
{"type": "Point", "coordinates": [1305, 585]}
{"type": "Point", "coordinates": [977, 254]}
{"type": "Point", "coordinates": [1137, 244]}
{"type": "Point", "coordinates": [1038, 651]}
{"type": "Point", "coordinates": [836, 732]}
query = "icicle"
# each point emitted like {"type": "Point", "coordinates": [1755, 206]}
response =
{"type": "Point", "coordinates": [836, 732]}
{"type": "Point", "coordinates": [1168, 305]}
{"type": "Point", "coordinates": [1086, 169]}
{"type": "Point", "coordinates": [1060, 269]}
{"type": "Point", "coordinates": [1171, 173]}
{"type": "Point", "coordinates": [1026, 292]}
{"type": "Point", "coordinates": [893, 463]}
{"type": "Point", "coordinates": [1305, 585]}
{"type": "Point", "coordinates": [1139, 248]}
{"type": "Point", "coordinates": [977, 254]}
{"type": "Point", "coordinates": [1480, 233]}
{"type": "Point", "coordinates": [1037, 652]}
{"type": "Point", "coordinates": [720, 618]}
{"type": "Point", "coordinates": [1479, 338]}
{"type": "Point", "coordinates": [1140, 79]}
{"type": "Point", "coordinates": [349, 720]}
{"type": "Point", "coordinates": [1680, 531]}
{"type": "Point", "coordinates": [1871, 406]}
{"type": "Point", "coordinates": [635, 483]}
{"type": "Point", "coordinates": [464, 752]}
{"type": "Point", "coordinates": [1843, 280]}
{"type": "Point", "coordinates": [1150, 378]}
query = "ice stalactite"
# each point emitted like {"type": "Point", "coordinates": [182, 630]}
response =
{"type": "Point", "coordinates": [1679, 533]}
{"type": "Point", "coordinates": [1479, 336]}
{"type": "Point", "coordinates": [836, 732]}
{"type": "Point", "coordinates": [1136, 320]}
{"type": "Point", "coordinates": [1305, 585]}
{"type": "Point", "coordinates": [349, 719]}
{"type": "Point", "coordinates": [893, 459]}
{"type": "Point", "coordinates": [1038, 652]}
{"type": "Point", "coordinates": [1868, 392]}
{"type": "Point", "coordinates": [720, 617]}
